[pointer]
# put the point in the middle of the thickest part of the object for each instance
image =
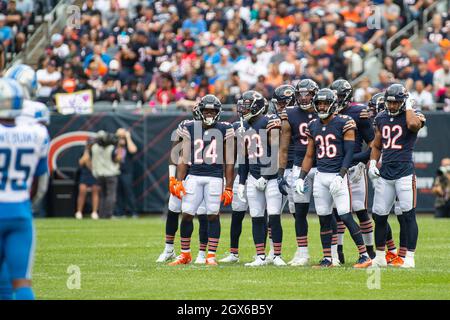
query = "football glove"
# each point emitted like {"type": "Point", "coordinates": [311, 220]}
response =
{"type": "Point", "coordinates": [227, 197]}
{"type": "Point", "coordinates": [172, 182]}
{"type": "Point", "coordinates": [373, 172]}
{"type": "Point", "coordinates": [261, 184]}
{"type": "Point", "coordinates": [300, 186]}
{"type": "Point", "coordinates": [178, 189]}
{"type": "Point", "coordinates": [241, 192]}
{"type": "Point", "coordinates": [355, 173]}
{"type": "Point", "coordinates": [282, 185]}
{"type": "Point", "coordinates": [337, 185]}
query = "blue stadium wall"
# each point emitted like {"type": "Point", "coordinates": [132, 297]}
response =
{"type": "Point", "coordinates": [152, 132]}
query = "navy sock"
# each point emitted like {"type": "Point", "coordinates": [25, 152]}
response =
{"type": "Point", "coordinates": [380, 231]}
{"type": "Point", "coordinates": [277, 233]}
{"type": "Point", "coordinates": [236, 230]}
{"type": "Point", "coordinates": [171, 226]}
{"type": "Point", "coordinates": [23, 293]}
{"type": "Point", "coordinates": [365, 223]}
{"type": "Point", "coordinates": [355, 231]}
{"type": "Point", "coordinates": [259, 234]}
{"type": "Point", "coordinates": [213, 233]}
{"type": "Point", "coordinates": [412, 230]}
{"type": "Point", "coordinates": [203, 231]}
{"type": "Point", "coordinates": [326, 234]}
{"type": "Point", "coordinates": [186, 229]}
{"type": "Point", "coordinates": [334, 228]}
{"type": "Point", "coordinates": [301, 224]}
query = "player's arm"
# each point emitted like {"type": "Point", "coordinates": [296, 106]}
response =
{"type": "Point", "coordinates": [349, 147]}
{"type": "Point", "coordinates": [182, 166]}
{"type": "Point", "coordinates": [229, 152]}
{"type": "Point", "coordinates": [285, 140]}
{"type": "Point", "coordinates": [414, 120]}
{"type": "Point", "coordinates": [368, 134]}
{"type": "Point", "coordinates": [243, 164]}
{"type": "Point", "coordinates": [308, 160]}
{"type": "Point", "coordinates": [375, 154]}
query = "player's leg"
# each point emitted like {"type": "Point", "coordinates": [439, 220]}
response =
{"type": "Point", "coordinates": [19, 244]}
{"type": "Point", "coordinates": [340, 233]}
{"type": "Point", "coordinates": [202, 233]}
{"type": "Point", "coordinates": [359, 190]}
{"type": "Point", "coordinates": [81, 200]}
{"type": "Point", "coordinates": [212, 192]}
{"type": "Point", "coordinates": [382, 203]}
{"type": "Point", "coordinates": [274, 200]}
{"type": "Point", "coordinates": [324, 204]}
{"type": "Point", "coordinates": [391, 252]}
{"type": "Point", "coordinates": [239, 208]}
{"type": "Point", "coordinates": [171, 229]}
{"type": "Point", "coordinates": [406, 193]}
{"type": "Point", "coordinates": [6, 289]}
{"type": "Point", "coordinates": [344, 209]}
{"type": "Point", "coordinates": [302, 201]}
{"type": "Point", "coordinates": [257, 205]}
{"type": "Point", "coordinates": [189, 206]}
{"type": "Point", "coordinates": [334, 242]}
{"type": "Point", "coordinates": [95, 196]}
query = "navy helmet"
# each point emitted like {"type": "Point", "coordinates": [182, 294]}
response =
{"type": "Point", "coordinates": [283, 96]}
{"type": "Point", "coordinates": [329, 97]}
{"type": "Point", "coordinates": [376, 103]}
{"type": "Point", "coordinates": [305, 90]}
{"type": "Point", "coordinates": [344, 92]}
{"type": "Point", "coordinates": [251, 104]}
{"type": "Point", "coordinates": [210, 102]}
{"type": "Point", "coordinates": [395, 99]}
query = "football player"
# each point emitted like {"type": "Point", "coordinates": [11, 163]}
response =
{"type": "Point", "coordinates": [293, 134]}
{"type": "Point", "coordinates": [357, 172]}
{"type": "Point", "coordinates": [208, 146]}
{"type": "Point", "coordinates": [175, 209]}
{"type": "Point", "coordinates": [331, 141]}
{"type": "Point", "coordinates": [23, 154]}
{"type": "Point", "coordinates": [396, 133]}
{"type": "Point", "coordinates": [260, 174]}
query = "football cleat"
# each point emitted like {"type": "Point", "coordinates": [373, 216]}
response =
{"type": "Point", "coordinates": [278, 261]}
{"type": "Point", "coordinates": [390, 256]}
{"type": "Point", "coordinates": [183, 258]}
{"type": "Point", "coordinates": [297, 255]}
{"type": "Point", "coordinates": [363, 262]}
{"type": "Point", "coordinates": [94, 216]}
{"type": "Point", "coordinates": [336, 262]}
{"type": "Point", "coordinates": [301, 261]}
{"type": "Point", "coordinates": [259, 262]}
{"type": "Point", "coordinates": [78, 215]}
{"type": "Point", "coordinates": [396, 262]}
{"type": "Point", "coordinates": [166, 256]}
{"type": "Point", "coordinates": [379, 261]}
{"type": "Point", "coordinates": [270, 257]}
{"type": "Point", "coordinates": [408, 263]}
{"type": "Point", "coordinates": [324, 263]}
{"type": "Point", "coordinates": [211, 260]}
{"type": "Point", "coordinates": [201, 258]}
{"type": "Point", "coordinates": [231, 258]}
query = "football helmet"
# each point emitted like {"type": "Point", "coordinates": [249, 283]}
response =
{"type": "Point", "coordinates": [344, 92]}
{"type": "Point", "coordinates": [327, 96]}
{"type": "Point", "coordinates": [305, 90]}
{"type": "Point", "coordinates": [210, 102]}
{"type": "Point", "coordinates": [395, 99]}
{"type": "Point", "coordinates": [251, 104]}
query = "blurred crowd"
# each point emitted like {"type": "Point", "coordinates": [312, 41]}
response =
{"type": "Point", "coordinates": [171, 52]}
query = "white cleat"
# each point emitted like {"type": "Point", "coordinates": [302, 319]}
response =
{"type": "Point", "coordinates": [94, 215]}
{"type": "Point", "coordinates": [335, 262]}
{"type": "Point", "coordinates": [78, 215]}
{"type": "Point", "coordinates": [201, 258]}
{"type": "Point", "coordinates": [300, 261]}
{"type": "Point", "coordinates": [408, 263]}
{"type": "Point", "coordinates": [259, 262]}
{"type": "Point", "coordinates": [379, 261]}
{"type": "Point", "coordinates": [278, 262]}
{"type": "Point", "coordinates": [166, 256]}
{"type": "Point", "coordinates": [231, 258]}
{"type": "Point", "coordinates": [270, 257]}
{"type": "Point", "coordinates": [297, 256]}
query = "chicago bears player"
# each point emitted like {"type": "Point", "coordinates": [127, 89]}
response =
{"type": "Point", "coordinates": [396, 133]}
{"type": "Point", "coordinates": [260, 174]}
{"type": "Point", "coordinates": [293, 132]}
{"type": "Point", "coordinates": [357, 172]}
{"type": "Point", "coordinates": [208, 146]}
{"type": "Point", "coordinates": [174, 208]}
{"type": "Point", "coordinates": [331, 141]}
{"type": "Point", "coordinates": [23, 156]}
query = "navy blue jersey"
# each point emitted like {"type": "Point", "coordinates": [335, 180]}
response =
{"type": "Point", "coordinates": [291, 149]}
{"type": "Point", "coordinates": [258, 147]}
{"type": "Point", "coordinates": [397, 145]}
{"type": "Point", "coordinates": [329, 141]}
{"type": "Point", "coordinates": [206, 146]}
{"type": "Point", "coordinates": [365, 132]}
{"type": "Point", "coordinates": [298, 120]}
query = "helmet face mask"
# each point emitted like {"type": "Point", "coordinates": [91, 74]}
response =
{"type": "Point", "coordinates": [325, 103]}
{"type": "Point", "coordinates": [209, 109]}
{"type": "Point", "coordinates": [344, 92]}
{"type": "Point", "coordinates": [251, 104]}
{"type": "Point", "coordinates": [395, 99]}
{"type": "Point", "coordinates": [376, 103]}
{"type": "Point", "coordinates": [304, 93]}
{"type": "Point", "coordinates": [283, 97]}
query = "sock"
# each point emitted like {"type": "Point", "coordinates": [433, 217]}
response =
{"type": "Point", "coordinates": [6, 292]}
{"type": "Point", "coordinates": [266, 227]}
{"type": "Point", "coordinates": [390, 240]}
{"type": "Point", "coordinates": [23, 293]}
{"type": "Point", "coordinates": [412, 230]}
{"type": "Point", "coordinates": [380, 231]}
{"type": "Point", "coordinates": [203, 231]}
{"type": "Point", "coordinates": [340, 230]}
{"type": "Point", "coordinates": [259, 232]}
{"type": "Point", "coordinates": [366, 226]}
{"type": "Point", "coordinates": [277, 233]}
{"type": "Point", "coordinates": [236, 230]}
{"type": "Point", "coordinates": [171, 229]}
{"type": "Point", "coordinates": [213, 234]}
{"type": "Point", "coordinates": [326, 235]}
{"type": "Point", "coordinates": [186, 229]}
{"type": "Point", "coordinates": [403, 236]}
{"type": "Point", "coordinates": [301, 224]}
{"type": "Point", "coordinates": [355, 232]}
{"type": "Point", "coordinates": [334, 238]}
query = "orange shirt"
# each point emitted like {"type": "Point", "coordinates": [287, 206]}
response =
{"type": "Point", "coordinates": [284, 22]}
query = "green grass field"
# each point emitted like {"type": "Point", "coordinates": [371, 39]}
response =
{"type": "Point", "coordinates": [117, 261]}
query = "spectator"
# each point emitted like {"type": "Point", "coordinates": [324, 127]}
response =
{"type": "Point", "coordinates": [421, 73]}
{"type": "Point", "coordinates": [6, 33]}
{"type": "Point", "coordinates": [442, 76]}
{"type": "Point", "coordinates": [249, 69]}
{"type": "Point", "coordinates": [60, 49]}
{"type": "Point", "coordinates": [133, 91]}
{"type": "Point", "coordinates": [195, 24]}
{"type": "Point", "coordinates": [224, 66]}
{"type": "Point", "coordinates": [364, 91]}
{"type": "Point", "coordinates": [422, 98]}
{"type": "Point", "coordinates": [126, 202]}
{"type": "Point", "coordinates": [165, 94]}
{"type": "Point", "coordinates": [441, 189]}
{"type": "Point", "coordinates": [109, 92]}
{"type": "Point", "coordinates": [390, 12]}
{"type": "Point", "coordinates": [189, 100]}
{"type": "Point", "coordinates": [106, 158]}
{"type": "Point", "coordinates": [385, 80]}
{"type": "Point", "coordinates": [444, 98]}
{"type": "Point", "coordinates": [87, 181]}
{"type": "Point", "coordinates": [48, 79]}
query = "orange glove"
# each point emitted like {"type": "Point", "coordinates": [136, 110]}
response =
{"type": "Point", "coordinates": [179, 190]}
{"type": "Point", "coordinates": [172, 182]}
{"type": "Point", "coordinates": [227, 197]}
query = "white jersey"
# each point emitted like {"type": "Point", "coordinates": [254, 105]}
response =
{"type": "Point", "coordinates": [23, 155]}
{"type": "Point", "coordinates": [33, 112]}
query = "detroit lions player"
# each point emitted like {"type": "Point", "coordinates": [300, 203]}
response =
{"type": "Point", "coordinates": [396, 133]}
{"type": "Point", "coordinates": [23, 155]}
{"type": "Point", "coordinates": [293, 131]}
{"type": "Point", "coordinates": [208, 146]}
{"type": "Point", "coordinates": [331, 141]}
